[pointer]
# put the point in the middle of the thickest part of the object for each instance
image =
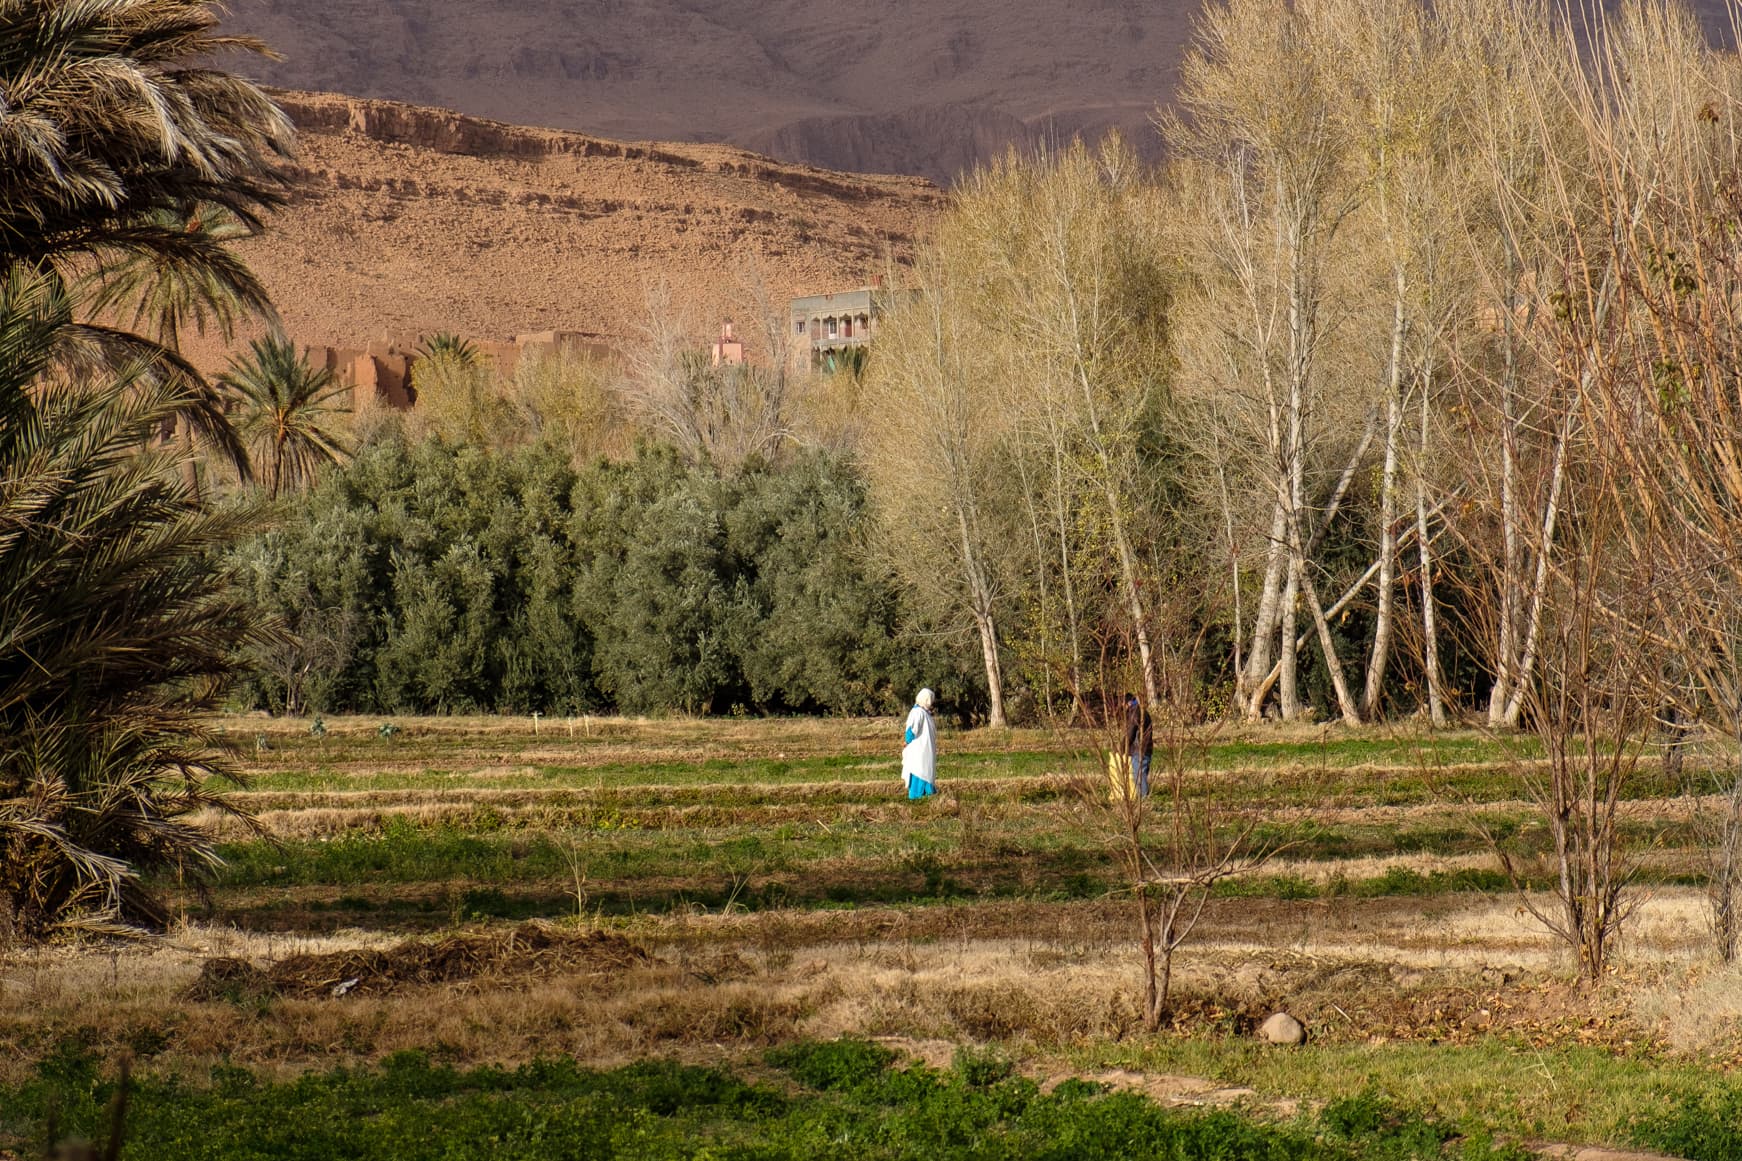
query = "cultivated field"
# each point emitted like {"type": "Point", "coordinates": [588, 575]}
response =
{"type": "Point", "coordinates": [493, 892]}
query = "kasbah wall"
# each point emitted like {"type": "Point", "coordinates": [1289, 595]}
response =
{"type": "Point", "coordinates": [383, 368]}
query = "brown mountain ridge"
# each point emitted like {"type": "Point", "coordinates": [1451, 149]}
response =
{"type": "Point", "coordinates": [900, 86]}
{"type": "Point", "coordinates": [905, 86]}
{"type": "Point", "coordinates": [411, 220]}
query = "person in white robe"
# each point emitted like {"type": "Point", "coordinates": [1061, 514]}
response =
{"type": "Point", "coordinates": [919, 757]}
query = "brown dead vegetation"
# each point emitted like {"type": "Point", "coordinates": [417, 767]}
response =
{"type": "Point", "coordinates": [1042, 978]}
{"type": "Point", "coordinates": [499, 957]}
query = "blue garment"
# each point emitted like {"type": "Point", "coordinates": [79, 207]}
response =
{"type": "Point", "coordinates": [919, 751]}
{"type": "Point", "coordinates": [919, 788]}
{"type": "Point", "coordinates": [1140, 774]}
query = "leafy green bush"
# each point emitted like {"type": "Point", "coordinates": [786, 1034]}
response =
{"type": "Point", "coordinates": [1369, 1116]}
{"type": "Point", "coordinates": [982, 1067]}
{"type": "Point", "coordinates": [427, 577]}
{"type": "Point", "coordinates": [1385, 1131]}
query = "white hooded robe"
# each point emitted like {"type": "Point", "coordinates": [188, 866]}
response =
{"type": "Point", "coordinates": [919, 758]}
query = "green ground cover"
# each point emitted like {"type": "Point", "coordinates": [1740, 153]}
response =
{"type": "Point", "coordinates": [668, 832]}
{"type": "Point", "coordinates": [1395, 774]}
{"type": "Point", "coordinates": [841, 1099]}
{"type": "Point", "coordinates": [1516, 1089]}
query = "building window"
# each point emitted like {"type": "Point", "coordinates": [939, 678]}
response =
{"type": "Point", "coordinates": [798, 327]}
{"type": "Point", "coordinates": [829, 325]}
{"type": "Point", "coordinates": [847, 327]}
{"type": "Point", "coordinates": [816, 329]}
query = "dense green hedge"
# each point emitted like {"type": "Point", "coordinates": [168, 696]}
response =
{"type": "Point", "coordinates": [426, 577]}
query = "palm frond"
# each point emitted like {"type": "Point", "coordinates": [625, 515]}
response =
{"type": "Point", "coordinates": [115, 635]}
{"type": "Point", "coordinates": [287, 413]}
{"type": "Point", "coordinates": [109, 111]}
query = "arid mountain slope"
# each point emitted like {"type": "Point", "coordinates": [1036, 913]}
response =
{"type": "Point", "coordinates": [414, 220]}
{"type": "Point", "coordinates": [909, 86]}
{"type": "Point", "coordinates": [899, 86]}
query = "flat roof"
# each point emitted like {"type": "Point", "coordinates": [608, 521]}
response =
{"type": "Point", "coordinates": [842, 298]}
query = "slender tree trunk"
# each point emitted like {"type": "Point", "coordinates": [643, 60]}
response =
{"type": "Point", "coordinates": [1724, 886]}
{"type": "Point", "coordinates": [1240, 680]}
{"type": "Point", "coordinates": [1169, 943]}
{"type": "Point", "coordinates": [1264, 624]}
{"type": "Point", "coordinates": [1040, 577]}
{"type": "Point", "coordinates": [1333, 665]}
{"type": "Point", "coordinates": [1269, 615]}
{"type": "Point", "coordinates": [1539, 588]}
{"type": "Point", "coordinates": [988, 629]}
{"type": "Point", "coordinates": [1507, 650]}
{"type": "Point", "coordinates": [1301, 340]}
{"type": "Point", "coordinates": [1382, 624]}
{"type": "Point", "coordinates": [1146, 922]}
{"type": "Point", "coordinates": [1424, 551]}
{"type": "Point", "coordinates": [1341, 491]}
{"type": "Point", "coordinates": [980, 594]}
{"type": "Point", "coordinates": [1133, 601]}
{"type": "Point", "coordinates": [1288, 685]}
{"type": "Point", "coordinates": [1070, 586]}
{"type": "Point", "coordinates": [1289, 689]}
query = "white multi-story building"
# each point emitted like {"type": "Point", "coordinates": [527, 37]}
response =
{"type": "Point", "coordinates": [825, 325]}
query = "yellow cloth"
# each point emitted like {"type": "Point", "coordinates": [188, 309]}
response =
{"type": "Point", "coordinates": [1119, 780]}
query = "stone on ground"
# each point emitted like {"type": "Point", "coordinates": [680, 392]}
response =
{"type": "Point", "coordinates": [1282, 1029]}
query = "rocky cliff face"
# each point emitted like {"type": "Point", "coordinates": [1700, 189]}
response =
{"type": "Point", "coordinates": [411, 220]}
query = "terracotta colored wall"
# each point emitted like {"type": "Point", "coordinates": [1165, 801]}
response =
{"type": "Point", "coordinates": [383, 368]}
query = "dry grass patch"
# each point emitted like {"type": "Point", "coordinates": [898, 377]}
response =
{"type": "Point", "coordinates": [501, 957]}
{"type": "Point", "coordinates": [1042, 980]}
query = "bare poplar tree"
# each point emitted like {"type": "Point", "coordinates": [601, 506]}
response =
{"type": "Point", "coordinates": [1660, 125]}
{"type": "Point", "coordinates": [931, 457]}
{"type": "Point", "coordinates": [1632, 290]}
{"type": "Point", "coordinates": [725, 413]}
{"type": "Point", "coordinates": [1517, 64]}
{"type": "Point", "coordinates": [1394, 94]}
{"type": "Point", "coordinates": [1057, 245]}
{"type": "Point", "coordinates": [1256, 135]}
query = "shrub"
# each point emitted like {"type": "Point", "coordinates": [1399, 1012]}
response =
{"type": "Point", "coordinates": [833, 1064]}
{"type": "Point", "coordinates": [426, 577]}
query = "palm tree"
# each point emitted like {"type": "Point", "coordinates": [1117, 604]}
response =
{"type": "Point", "coordinates": [192, 281]}
{"type": "Point", "coordinates": [115, 635]}
{"type": "Point", "coordinates": [122, 149]}
{"type": "Point", "coordinates": [448, 347]}
{"type": "Point", "coordinates": [286, 413]}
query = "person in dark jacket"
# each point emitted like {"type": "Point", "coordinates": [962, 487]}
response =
{"type": "Point", "coordinates": [1139, 743]}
